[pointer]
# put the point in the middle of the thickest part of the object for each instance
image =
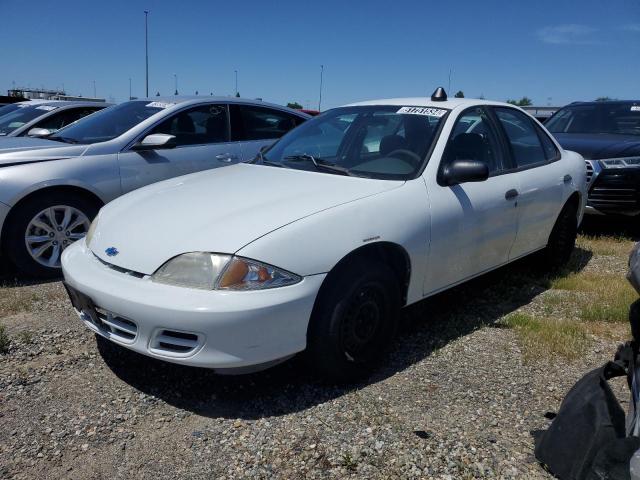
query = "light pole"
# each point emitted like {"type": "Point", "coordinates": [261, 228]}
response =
{"type": "Point", "coordinates": [236, 72]}
{"type": "Point", "coordinates": [146, 52]}
{"type": "Point", "coordinates": [129, 88]}
{"type": "Point", "coordinates": [94, 89]}
{"type": "Point", "coordinates": [175, 81]}
{"type": "Point", "coordinates": [320, 99]}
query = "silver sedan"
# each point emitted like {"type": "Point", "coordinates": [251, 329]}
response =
{"type": "Point", "coordinates": [40, 118]}
{"type": "Point", "coordinates": [52, 188]}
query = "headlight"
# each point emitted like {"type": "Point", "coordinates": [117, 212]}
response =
{"type": "Point", "coordinates": [91, 231]}
{"type": "Point", "coordinates": [210, 271]}
{"type": "Point", "coordinates": [622, 162]}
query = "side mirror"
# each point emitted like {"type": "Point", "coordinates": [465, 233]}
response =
{"type": "Point", "coordinates": [462, 171]}
{"type": "Point", "coordinates": [155, 141]}
{"type": "Point", "coordinates": [39, 132]}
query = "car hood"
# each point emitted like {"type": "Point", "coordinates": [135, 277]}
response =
{"type": "Point", "coordinates": [219, 210]}
{"type": "Point", "coordinates": [26, 150]}
{"type": "Point", "coordinates": [600, 145]}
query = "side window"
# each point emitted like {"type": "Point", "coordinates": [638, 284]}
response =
{"type": "Point", "coordinates": [260, 123]}
{"type": "Point", "coordinates": [58, 120]}
{"type": "Point", "coordinates": [474, 138]}
{"type": "Point", "coordinates": [525, 143]}
{"type": "Point", "coordinates": [201, 125]}
{"type": "Point", "coordinates": [550, 150]}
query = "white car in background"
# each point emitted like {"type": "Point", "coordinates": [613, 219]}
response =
{"type": "Point", "coordinates": [318, 243]}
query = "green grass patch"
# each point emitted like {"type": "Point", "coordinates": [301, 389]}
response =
{"type": "Point", "coordinates": [599, 296]}
{"type": "Point", "coordinates": [606, 245]}
{"type": "Point", "coordinates": [545, 337]}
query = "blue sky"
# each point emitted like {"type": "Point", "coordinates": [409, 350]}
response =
{"type": "Point", "coordinates": [561, 49]}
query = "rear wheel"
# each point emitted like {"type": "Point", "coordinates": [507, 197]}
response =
{"type": "Point", "coordinates": [354, 321]}
{"type": "Point", "coordinates": [42, 227]}
{"type": "Point", "coordinates": [562, 240]}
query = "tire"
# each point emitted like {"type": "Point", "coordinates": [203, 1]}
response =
{"type": "Point", "coordinates": [353, 322]}
{"type": "Point", "coordinates": [562, 239]}
{"type": "Point", "coordinates": [47, 209]}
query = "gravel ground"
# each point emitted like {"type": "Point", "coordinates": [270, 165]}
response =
{"type": "Point", "coordinates": [454, 399]}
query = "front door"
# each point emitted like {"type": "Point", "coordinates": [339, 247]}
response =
{"type": "Point", "coordinates": [202, 143]}
{"type": "Point", "coordinates": [473, 225]}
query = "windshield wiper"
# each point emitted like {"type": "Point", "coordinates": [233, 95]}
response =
{"type": "Point", "coordinates": [264, 161]}
{"type": "Point", "coordinates": [319, 164]}
{"type": "Point", "coordinates": [63, 139]}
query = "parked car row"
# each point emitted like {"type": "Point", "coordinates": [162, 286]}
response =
{"type": "Point", "coordinates": [313, 245]}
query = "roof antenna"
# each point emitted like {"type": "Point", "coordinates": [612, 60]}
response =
{"type": "Point", "coordinates": [439, 95]}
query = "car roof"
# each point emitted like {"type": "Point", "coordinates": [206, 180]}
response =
{"type": "Point", "coordinates": [605, 102]}
{"type": "Point", "coordinates": [65, 103]}
{"type": "Point", "coordinates": [450, 103]}
{"type": "Point", "coordinates": [196, 99]}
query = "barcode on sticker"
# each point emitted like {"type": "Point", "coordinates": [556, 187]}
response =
{"type": "Point", "coordinates": [159, 105]}
{"type": "Point", "coordinates": [430, 112]}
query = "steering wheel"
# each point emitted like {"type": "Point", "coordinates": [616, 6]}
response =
{"type": "Point", "coordinates": [412, 158]}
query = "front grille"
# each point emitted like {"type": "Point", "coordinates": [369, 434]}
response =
{"type": "Point", "coordinates": [613, 196]}
{"type": "Point", "coordinates": [589, 171]}
{"type": "Point", "coordinates": [614, 190]}
{"type": "Point", "coordinates": [114, 325]}
{"type": "Point", "coordinates": [174, 343]}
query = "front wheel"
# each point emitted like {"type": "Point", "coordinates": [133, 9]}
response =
{"type": "Point", "coordinates": [353, 322]}
{"type": "Point", "coordinates": [562, 240]}
{"type": "Point", "coordinates": [42, 227]}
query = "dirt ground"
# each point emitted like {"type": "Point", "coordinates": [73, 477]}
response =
{"type": "Point", "coordinates": [472, 373]}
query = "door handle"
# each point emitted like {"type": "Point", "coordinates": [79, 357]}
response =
{"type": "Point", "coordinates": [513, 193]}
{"type": "Point", "coordinates": [567, 178]}
{"type": "Point", "coordinates": [226, 157]}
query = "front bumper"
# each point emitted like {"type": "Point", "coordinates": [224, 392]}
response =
{"type": "Point", "coordinates": [614, 190]}
{"type": "Point", "coordinates": [213, 329]}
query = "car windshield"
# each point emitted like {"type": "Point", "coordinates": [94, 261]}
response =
{"type": "Point", "coordinates": [385, 142]}
{"type": "Point", "coordinates": [618, 118]}
{"type": "Point", "coordinates": [109, 123]}
{"type": "Point", "coordinates": [9, 108]}
{"type": "Point", "coordinates": [22, 115]}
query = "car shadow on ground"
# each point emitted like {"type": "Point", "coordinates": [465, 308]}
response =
{"type": "Point", "coordinates": [425, 327]}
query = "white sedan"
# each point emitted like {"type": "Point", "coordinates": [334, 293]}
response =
{"type": "Point", "coordinates": [317, 244]}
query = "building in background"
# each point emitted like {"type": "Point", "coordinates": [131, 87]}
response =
{"type": "Point", "coordinates": [44, 94]}
{"type": "Point", "coordinates": [541, 113]}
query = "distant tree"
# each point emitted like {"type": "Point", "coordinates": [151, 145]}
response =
{"type": "Point", "coordinates": [295, 105]}
{"type": "Point", "coordinates": [238, 94]}
{"type": "Point", "coordinates": [196, 92]}
{"type": "Point", "coordinates": [523, 102]}
{"type": "Point", "coordinates": [459, 94]}
{"type": "Point", "coordinates": [604, 99]}
{"type": "Point", "coordinates": [481, 96]}
{"type": "Point", "coordinates": [157, 94]}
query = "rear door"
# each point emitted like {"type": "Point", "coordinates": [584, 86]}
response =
{"type": "Point", "coordinates": [203, 142]}
{"type": "Point", "coordinates": [257, 126]}
{"type": "Point", "coordinates": [541, 177]}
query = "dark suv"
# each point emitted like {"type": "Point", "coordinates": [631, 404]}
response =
{"type": "Point", "coordinates": [607, 135]}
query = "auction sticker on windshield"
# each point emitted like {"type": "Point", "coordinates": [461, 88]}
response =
{"type": "Point", "coordinates": [46, 108]}
{"type": "Point", "coordinates": [430, 112]}
{"type": "Point", "coordinates": [159, 104]}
